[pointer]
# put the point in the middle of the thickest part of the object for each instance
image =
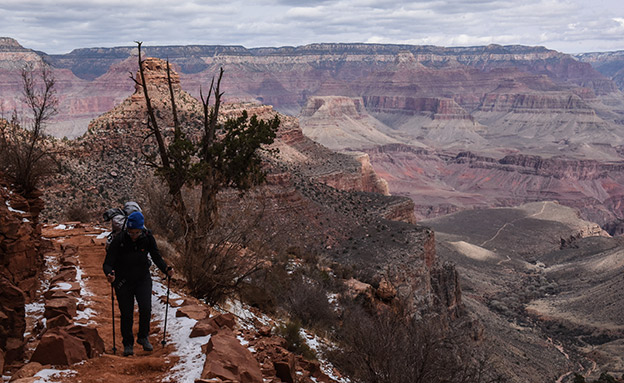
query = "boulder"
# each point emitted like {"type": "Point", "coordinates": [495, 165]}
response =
{"type": "Point", "coordinates": [60, 306]}
{"type": "Point", "coordinates": [285, 369]}
{"type": "Point", "coordinates": [203, 328]}
{"type": "Point", "coordinates": [357, 288]}
{"type": "Point", "coordinates": [228, 360]}
{"type": "Point", "coordinates": [71, 288]}
{"type": "Point", "coordinates": [386, 291]}
{"type": "Point", "coordinates": [12, 312]}
{"type": "Point", "coordinates": [58, 347]}
{"type": "Point", "coordinates": [60, 320]}
{"type": "Point", "coordinates": [69, 261]}
{"type": "Point", "coordinates": [314, 369]}
{"type": "Point", "coordinates": [27, 371]}
{"type": "Point", "coordinates": [93, 343]}
{"type": "Point", "coordinates": [65, 274]}
{"type": "Point", "coordinates": [14, 349]}
{"type": "Point", "coordinates": [197, 312]}
{"type": "Point", "coordinates": [54, 294]}
{"type": "Point", "coordinates": [225, 320]}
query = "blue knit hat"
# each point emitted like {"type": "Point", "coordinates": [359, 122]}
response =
{"type": "Point", "coordinates": [135, 220]}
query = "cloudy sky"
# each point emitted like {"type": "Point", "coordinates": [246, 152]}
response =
{"type": "Point", "coordinates": [58, 26]}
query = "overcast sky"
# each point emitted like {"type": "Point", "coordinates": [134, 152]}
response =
{"type": "Point", "coordinates": [58, 26]}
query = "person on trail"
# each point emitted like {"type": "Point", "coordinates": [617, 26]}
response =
{"type": "Point", "coordinates": [126, 266]}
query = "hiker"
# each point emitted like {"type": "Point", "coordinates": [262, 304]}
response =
{"type": "Point", "coordinates": [127, 267]}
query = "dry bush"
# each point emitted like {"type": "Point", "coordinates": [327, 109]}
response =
{"type": "Point", "coordinates": [160, 216]}
{"type": "Point", "coordinates": [78, 212]}
{"type": "Point", "coordinates": [291, 332]}
{"type": "Point", "coordinates": [24, 154]}
{"type": "Point", "coordinates": [217, 262]}
{"type": "Point", "coordinates": [307, 300]}
{"type": "Point", "coordinates": [25, 161]}
{"type": "Point", "coordinates": [385, 346]}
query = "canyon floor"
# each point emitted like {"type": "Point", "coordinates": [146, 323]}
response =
{"type": "Point", "coordinates": [545, 284]}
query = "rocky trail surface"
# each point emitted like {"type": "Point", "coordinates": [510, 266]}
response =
{"type": "Point", "coordinates": [70, 329]}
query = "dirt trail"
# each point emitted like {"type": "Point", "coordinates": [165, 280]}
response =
{"type": "Point", "coordinates": [143, 366]}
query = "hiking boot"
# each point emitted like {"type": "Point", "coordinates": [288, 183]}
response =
{"type": "Point", "coordinates": [128, 350]}
{"type": "Point", "coordinates": [147, 346]}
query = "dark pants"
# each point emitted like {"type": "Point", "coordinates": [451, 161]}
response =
{"type": "Point", "coordinates": [126, 292]}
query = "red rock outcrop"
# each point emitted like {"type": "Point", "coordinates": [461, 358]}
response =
{"type": "Point", "coordinates": [227, 360]}
{"type": "Point", "coordinates": [59, 348]}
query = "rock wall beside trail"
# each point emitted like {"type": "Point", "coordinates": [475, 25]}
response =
{"type": "Point", "coordinates": [21, 264]}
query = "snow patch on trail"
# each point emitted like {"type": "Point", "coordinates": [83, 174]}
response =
{"type": "Point", "coordinates": [47, 374]}
{"type": "Point", "coordinates": [189, 350]}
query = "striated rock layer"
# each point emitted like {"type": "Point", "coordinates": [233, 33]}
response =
{"type": "Point", "coordinates": [445, 85]}
{"type": "Point", "coordinates": [442, 183]}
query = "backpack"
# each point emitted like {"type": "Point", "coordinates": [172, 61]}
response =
{"type": "Point", "coordinates": [118, 218]}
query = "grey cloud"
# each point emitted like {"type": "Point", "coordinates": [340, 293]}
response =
{"type": "Point", "coordinates": [70, 24]}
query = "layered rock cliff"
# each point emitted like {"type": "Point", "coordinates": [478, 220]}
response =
{"type": "Point", "coordinates": [610, 64]}
{"type": "Point", "coordinates": [443, 83]}
{"type": "Point", "coordinates": [441, 183]}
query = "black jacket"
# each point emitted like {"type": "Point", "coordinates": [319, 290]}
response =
{"type": "Point", "coordinates": [129, 258]}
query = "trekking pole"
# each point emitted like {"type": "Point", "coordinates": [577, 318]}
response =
{"type": "Point", "coordinates": [163, 342]}
{"type": "Point", "coordinates": [113, 307]}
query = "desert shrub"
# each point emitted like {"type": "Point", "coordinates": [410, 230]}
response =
{"type": "Point", "coordinates": [307, 301]}
{"type": "Point", "coordinates": [291, 332]}
{"type": "Point", "coordinates": [78, 212]}
{"type": "Point", "coordinates": [267, 288]}
{"type": "Point", "coordinates": [157, 209]}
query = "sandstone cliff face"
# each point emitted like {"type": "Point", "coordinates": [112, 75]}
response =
{"type": "Point", "coordinates": [21, 265]}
